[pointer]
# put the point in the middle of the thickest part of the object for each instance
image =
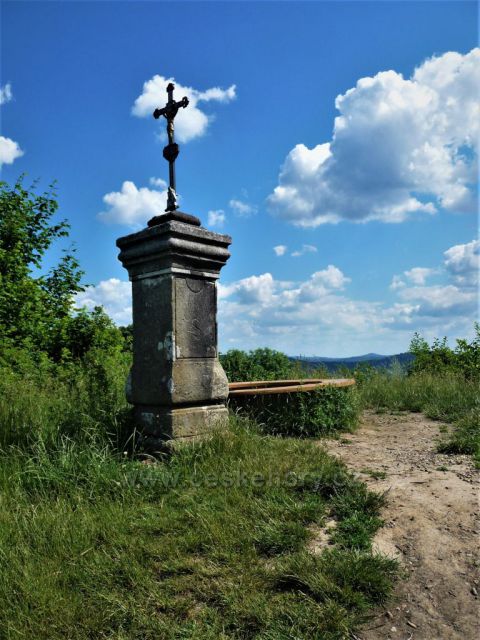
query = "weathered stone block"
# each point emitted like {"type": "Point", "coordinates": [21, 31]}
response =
{"type": "Point", "coordinates": [176, 374]}
{"type": "Point", "coordinates": [159, 424]}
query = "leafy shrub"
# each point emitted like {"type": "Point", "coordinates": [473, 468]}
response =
{"type": "Point", "coordinates": [37, 313]}
{"type": "Point", "coordinates": [260, 364]}
{"type": "Point", "coordinates": [439, 358]}
{"type": "Point", "coordinates": [31, 303]}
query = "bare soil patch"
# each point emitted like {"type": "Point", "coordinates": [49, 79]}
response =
{"type": "Point", "coordinates": [432, 526]}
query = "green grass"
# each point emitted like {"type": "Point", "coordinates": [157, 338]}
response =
{"type": "Point", "coordinates": [45, 403]}
{"type": "Point", "coordinates": [448, 397]}
{"type": "Point", "coordinates": [207, 544]}
{"type": "Point", "coordinates": [318, 413]}
{"type": "Point", "coordinates": [376, 475]}
{"type": "Point", "coordinates": [465, 437]}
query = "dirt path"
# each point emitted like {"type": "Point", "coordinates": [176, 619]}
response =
{"type": "Point", "coordinates": [432, 526]}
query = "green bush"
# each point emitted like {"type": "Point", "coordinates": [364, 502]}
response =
{"type": "Point", "coordinates": [38, 320]}
{"type": "Point", "coordinates": [260, 364]}
{"type": "Point", "coordinates": [305, 414]}
{"type": "Point", "coordinates": [32, 304]}
{"type": "Point", "coordinates": [302, 413]}
{"type": "Point", "coordinates": [439, 358]}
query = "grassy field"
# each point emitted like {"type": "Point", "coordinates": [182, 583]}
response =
{"type": "Point", "coordinates": [210, 542]}
{"type": "Point", "coordinates": [207, 544]}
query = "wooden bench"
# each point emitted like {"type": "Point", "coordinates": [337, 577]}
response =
{"type": "Point", "coordinates": [262, 387]}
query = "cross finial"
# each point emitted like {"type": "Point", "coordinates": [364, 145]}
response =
{"type": "Point", "coordinates": [171, 151]}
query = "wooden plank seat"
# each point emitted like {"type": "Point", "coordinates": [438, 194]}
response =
{"type": "Point", "coordinates": [262, 387]}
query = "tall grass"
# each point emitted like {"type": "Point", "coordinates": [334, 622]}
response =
{"type": "Point", "coordinates": [449, 397]}
{"type": "Point", "coordinates": [317, 413]}
{"type": "Point", "coordinates": [442, 397]}
{"type": "Point", "coordinates": [81, 401]}
{"type": "Point", "coordinates": [208, 543]}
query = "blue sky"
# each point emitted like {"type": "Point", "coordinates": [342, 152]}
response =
{"type": "Point", "coordinates": [385, 189]}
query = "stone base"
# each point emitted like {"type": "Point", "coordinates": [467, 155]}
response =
{"type": "Point", "coordinates": [159, 425]}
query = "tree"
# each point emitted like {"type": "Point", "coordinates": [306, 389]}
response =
{"type": "Point", "coordinates": [260, 364]}
{"type": "Point", "coordinates": [32, 304]}
{"type": "Point", "coordinates": [37, 309]}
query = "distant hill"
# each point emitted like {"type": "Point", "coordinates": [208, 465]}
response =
{"type": "Point", "coordinates": [366, 357]}
{"type": "Point", "coordinates": [373, 359]}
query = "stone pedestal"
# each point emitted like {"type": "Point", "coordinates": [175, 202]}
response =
{"type": "Point", "coordinates": [177, 385]}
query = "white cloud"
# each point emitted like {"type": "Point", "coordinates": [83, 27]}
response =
{"type": "Point", "coordinates": [454, 301]}
{"type": "Point", "coordinates": [134, 206]}
{"type": "Point", "coordinates": [280, 249]}
{"type": "Point", "coordinates": [331, 277]}
{"type": "Point", "coordinates": [9, 151]}
{"type": "Point", "coordinates": [419, 275]}
{"type": "Point", "coordinates": [306, 248]}
{"type": "Point", "coordinates": [191, 122]}
{"type": "Point", "coordinates": [216, 218]}
{"type": "Point", "coordinates": [114, 295]}
{"type": "Point", "coordinates": [461, 265]}
{"type": "Point", "coordinates": [463, 261]}
{"type": "Point", "coordinates": [242, 209]}
{"type": "Point", "coordinates": [158, 182]}
{"type": "Point", "coordinates": [399, 147]}
{"type": "Point", "coordinates": [254, 289]}
{"type": "Point", "coordinates": [294, 317]}
{"type": "Point", "coordinates": [316, 316]}
{"type": "Point", "coordinates": [6, 93]}
{"type": "Point", "coordinates": [397, 283]}
{"type": "Point", "coordinates": [439, 300]}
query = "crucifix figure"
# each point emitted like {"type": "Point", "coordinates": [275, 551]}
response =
{"type": "Point", "coordinates": [171, 151]}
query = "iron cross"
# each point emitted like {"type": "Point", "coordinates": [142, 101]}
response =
{"type": "Point", "coordinates": [171, 151]}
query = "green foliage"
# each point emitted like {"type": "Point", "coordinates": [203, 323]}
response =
{"type": "Point", "coordinates": [209, 543]}
{"type": "Point", "coordinates": [468, 355]}
{"type": "Point", "coordinates": [466, 436]}
{"type": "Point", "coordinates": [32, 305]}
{"type": "Point", "coordinates": [37, 316]}
{"type": "Point", "coordinates": [86, 331]}
{"type": "Point", "coordinates": [260, 364]}
{"type": "Point", "coordinates": [42, 403]}
{"type": "Point", "coordinates": [127, 333]}
{"type": "Point", "coordinates": [444, 397]}
{"type": "Point", "coordinates": [439, 358]}
{"type": "Point", "coordinates": [363, 373]}
{"type": "Point", "coordinates": [294, 414]}
{"type": "Point", "coordinates": [302, 414]}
